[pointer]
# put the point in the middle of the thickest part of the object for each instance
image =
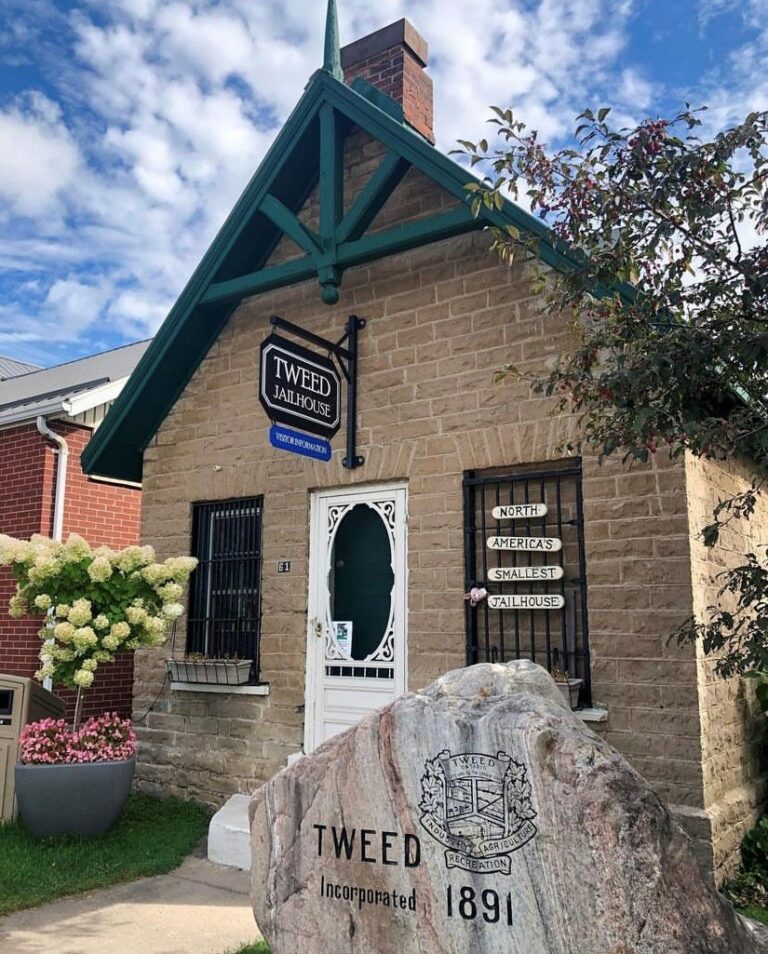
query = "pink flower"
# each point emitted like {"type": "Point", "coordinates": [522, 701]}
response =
{"type": "Point", "coordinates": [104, 738]}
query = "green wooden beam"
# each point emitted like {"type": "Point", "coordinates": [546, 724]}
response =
{"type": "Point", "coordinates": [298, 270]}
{"type": "Point", "coordinates": [291, 225]}
{"type": "Point", "coordinates": [372, 198]}
{"type": "Point", "coordinates": [411, 235]}
{"type": "Point", "coordinates": [331, 176]}
{"type": "Point", "coordinates": [403, 238]}
{"type": "Point", "coordinates": [331, 190]}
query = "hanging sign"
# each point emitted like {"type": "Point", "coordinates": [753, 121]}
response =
{"type": "Point", "coordinates": [299, 387]}
{"type": "Point", "coordinates": [516, 574]}
{"type": "Point", "coordinates": [535, 544]}
{"type": "Point", "coordinates": [520, 511]}
{"type": "Point", "coordinates": [526, 601]}
{"type": "Point", "coordinates": [283, 438]}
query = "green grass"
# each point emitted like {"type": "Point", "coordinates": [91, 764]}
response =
{"type": "Point", "coordinates": [260, 947]}
{"type": "Point", "coordinates": [755, 912]}
{"type": "Point", "coordinates": [153, 837]}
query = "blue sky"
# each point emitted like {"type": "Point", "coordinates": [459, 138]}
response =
{"type": "Point", "coordinates": [129, 128]}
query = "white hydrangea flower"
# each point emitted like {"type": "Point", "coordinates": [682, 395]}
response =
{"type": "Point", "coordinates": [64, 632]}
{"type": "Point", "coordinates": [101, 622]}
{"type": "Point", "coordinates": [100, 570]}
{"type": "Point", "coordinates": [15, 551]}
{"type": "Point", "coordinates": [45, 672]}
{"type": "Point", "coordinates": [83, 678]}
{"type": "Point", "coordinates": [136, 615]}
{"type": "Point", "coordinates": [102, 656]}
{"type": "Point", "coordinates": [155, 625]}
{"type": "Point", "coordinates": [17, 605]}
{"type": "Point", "coordinates": [156, 574]}
{"type": "Point", "coordinates": [90, 664]}
{"type": "Point", "coordinates": [134, 558]}
{"type": "Point", "coordinates": [172, 610]}
{"type": "Point", "coordinates": [80, 614]}
{"type": "Point", "coordinates": [110, 642]}
{"type": "Point", "coordinates": [43, 602]}
{"type": "Point", "coordinates": [43, 568]}
{"type": "Point", "coordinates": [85, 638]}
{"type": "Point", "coordinates": [120, 630]}
{"type": "Point", "coordinates": [75, 549]}
{"type": "Point", "coordinates": [181, 567]}
{"type": "Point", "coordinates": [62, 610]}
{"type": "Point", "coordinates": [170, 593]}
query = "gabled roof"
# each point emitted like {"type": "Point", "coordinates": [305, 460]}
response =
{"type": "Point", "coordinates": [68, 389]}
{"type": "Point", "coordinates": [11, 368]}
{"type": "Point", "coordinates": [307, 152]}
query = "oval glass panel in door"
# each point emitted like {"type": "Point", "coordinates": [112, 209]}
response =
{"type": "Point", "coordinates": [361, 581]}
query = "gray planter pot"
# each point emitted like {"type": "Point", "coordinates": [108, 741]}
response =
{"type": "Point", "coordinates": [77, 799]}
{"type": "Point", "coordinates": [571, 691]}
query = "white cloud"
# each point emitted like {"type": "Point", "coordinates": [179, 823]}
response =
{"type": "Point", "coordinates": [38, 157]}
{"type": "Point", "coordinates": [76, 305]}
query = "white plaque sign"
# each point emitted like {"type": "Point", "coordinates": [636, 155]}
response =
{"type": "Point", "coordinates": [537, 544]}
{"type": "Point", "coordinates": [526, 601]}
{"type": "Point", "coordinates": [515, 574]}
{"type": "Point", "coordinates": [520, 511]}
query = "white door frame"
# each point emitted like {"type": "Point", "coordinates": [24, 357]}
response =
{"type": "Point", "coordinates": [392, 501]}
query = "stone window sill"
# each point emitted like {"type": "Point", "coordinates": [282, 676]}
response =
{"type": "Point", "coordinates": [592, 715]}
{"type": "Point", "coordinates": [260, 690]}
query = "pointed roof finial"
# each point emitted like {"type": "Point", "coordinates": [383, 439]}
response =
{"type": "Point", "coordinates": [332, 63]}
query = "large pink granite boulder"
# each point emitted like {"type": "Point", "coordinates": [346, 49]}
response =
{"type": "Point", "coordinates": [478, 816]}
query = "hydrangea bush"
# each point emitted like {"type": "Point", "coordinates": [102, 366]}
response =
{"type": "Point", "coordinates": [106, 738]}
{"type": "Point", "coordinates": [94, 603]}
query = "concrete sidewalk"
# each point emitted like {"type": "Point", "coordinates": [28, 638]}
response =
{"type": "Point", "coordinates": [201, 908]}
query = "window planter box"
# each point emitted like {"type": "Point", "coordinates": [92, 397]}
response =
{"type": "Point", "coordinates": [212, 672]}
{"type": "Point", "coordinates": [570, 691]}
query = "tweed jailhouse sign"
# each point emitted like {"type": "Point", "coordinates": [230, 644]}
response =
{"type": "Point", "coordinates": [299, 387]}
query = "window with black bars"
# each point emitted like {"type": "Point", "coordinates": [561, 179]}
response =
{"type": "Point", "coordinates": [225, 589]}
{"type": "Point", "coordinates": [556, 638]}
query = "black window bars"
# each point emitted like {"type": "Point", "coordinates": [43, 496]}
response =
{"type": "Point", "coordinates": [554, 638]}
{"type": "Point", "coordinates": [225, 589]}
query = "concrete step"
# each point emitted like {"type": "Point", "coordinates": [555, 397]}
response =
{"type": "Point", "coordinates": [229, 836]}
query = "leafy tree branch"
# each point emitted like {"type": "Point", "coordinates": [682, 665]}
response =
{"type": "Point", "coordinates": [668, 304]}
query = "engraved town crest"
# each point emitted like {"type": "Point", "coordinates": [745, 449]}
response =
{"type": "Point", "coordinates": [479, 807]}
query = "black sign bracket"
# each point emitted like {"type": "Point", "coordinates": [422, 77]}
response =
{"type": "Point", "coordinates": [345, 352]}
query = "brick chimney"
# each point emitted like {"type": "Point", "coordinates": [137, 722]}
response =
{"type": "Point", "coordinates": [393, 60]}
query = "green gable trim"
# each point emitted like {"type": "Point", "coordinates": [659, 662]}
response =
{"type": "Point", "coordinates": [308, 151]}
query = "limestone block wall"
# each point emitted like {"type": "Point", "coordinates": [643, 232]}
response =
{"type": "Point", "coordinates": [731, 723]}
{"type": "Point", "coordinates": [440, 321]}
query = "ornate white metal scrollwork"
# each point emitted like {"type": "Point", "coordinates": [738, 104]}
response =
{"type": "Point", "coordinates": [387, 509]}
{"type": "Point", "coordinates": [385, 651]}
{"type": "Point", "coordinates": [335, 513]}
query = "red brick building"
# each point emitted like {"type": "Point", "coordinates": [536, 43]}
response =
{"type": "Point", "coordinates": [47, 417]}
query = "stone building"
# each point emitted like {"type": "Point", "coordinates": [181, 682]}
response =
{"type": "Point", "coordinates": [343, 582]}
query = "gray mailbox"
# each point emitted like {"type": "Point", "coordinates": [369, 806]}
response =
{"type": "Point", "coordinates": [22, 701]}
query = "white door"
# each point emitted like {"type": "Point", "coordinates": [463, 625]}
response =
{"type": "Point", "coordinates": [356, 639]}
